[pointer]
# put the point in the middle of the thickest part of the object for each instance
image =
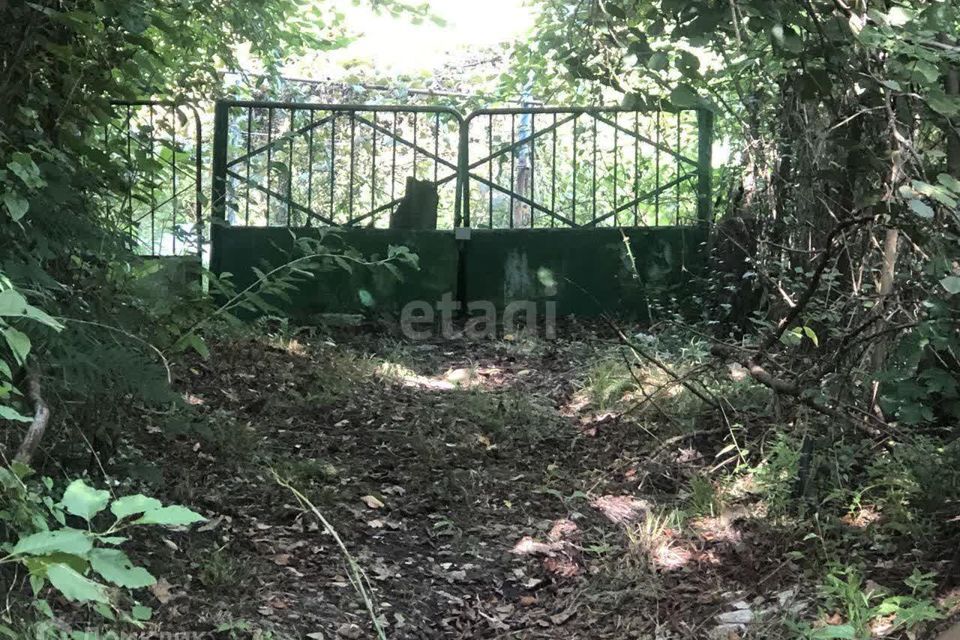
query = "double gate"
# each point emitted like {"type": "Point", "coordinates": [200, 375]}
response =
{"type": "Point", "coordinates": [304, 164]}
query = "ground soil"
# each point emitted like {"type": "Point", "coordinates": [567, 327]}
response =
{"type": "Point", "coordinates": [479, 491]}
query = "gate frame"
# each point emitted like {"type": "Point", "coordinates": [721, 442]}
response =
{"type": "Point", "coordinates": [173, 105]}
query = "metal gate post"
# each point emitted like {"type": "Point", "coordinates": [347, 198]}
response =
{"type": "Point", "coordinates": [704, 166]}
{"type": "Point", "coordinates": [462, 211]}
{"type": "Point", "coordinates": [461, 220]}
{"type": "Point", "coordinates": [218, 185]}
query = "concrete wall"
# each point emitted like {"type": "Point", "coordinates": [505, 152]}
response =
{"type": "Point", "coordinates": [238, 249]}
{"type": "Point", "coordinates": [585, 271]}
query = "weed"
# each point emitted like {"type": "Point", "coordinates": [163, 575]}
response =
{"type": "Point", "coordinates": [704, 498]}
{"type": "Point", "coordinates": [652, 539]}
{"type": "Point", "coordinates": [607, 382]}
{"type": "Point", "coordinates": [221, 571]}
{"type": "Point", "coordinates": [776, 475]}
{"type": "Point", "coordinates": [868, 610]}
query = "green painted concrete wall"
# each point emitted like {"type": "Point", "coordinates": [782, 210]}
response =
{"type": "Point", "coordinates": [237, 249]}
{"type": "Point", "coordinates": [585, 271]}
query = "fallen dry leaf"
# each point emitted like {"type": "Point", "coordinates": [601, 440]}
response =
{"type": "Point", "coordinates": [161, 591]}
{"type": "Point", "coordinates": [372, 502]}
{"type": "Point", "coordinates": [620, 509]}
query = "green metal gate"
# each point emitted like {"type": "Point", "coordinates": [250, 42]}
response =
{"type": "Point", "coordinates": [521, 192]}
{"type": "Point", "coordinates": [304, 164]}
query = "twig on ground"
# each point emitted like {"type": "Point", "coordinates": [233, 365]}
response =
{"type": "Point", "coordinates": [356, 574]}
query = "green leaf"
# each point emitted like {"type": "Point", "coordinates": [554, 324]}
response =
{"type": "Point", "coordinates": [132, 505]}
{"type": "Point", "coordinates": [74, 586]}
{"type": "Point", "coordinates": [658, 61]}
{"type": "Point", "coordinates": [12, 303]}
{"type": "Point", "coordinates": [944, 105]}
{"type": "Point", "coordinates": [923, 70]}
{"type": "Point", "coordinates": [198, 344]}
{"type": "Point", "coordinates": [72, 541]}
{"type": "Point", "coordinates": [949, 182]}
{"type": "Point", "coordinates": [921, 208]}
{"type": "Point", "coordinates": [810, 333]}
{"type": "Point", "coordinates": [142, 613]}
{"type": "Point", "coordinates": [83, 500]}
{"type": "Point", "coordinates": [172, 516]}
{"type": "Point", "coordinates": [684, 97]}
{"type": "Point", "coordinates": [23, 166]}
{"type": "Point", "coordinates": [834, 632]}
{"type": "Point", "coordinates": [116, 567]}
{"type": "Point", "coordinates": [38, 565]}
{"type": "Point", "coordinates": [951, 284]}
{"type": "Point", "coordinates": [17, 206]}
{"type": "Point", "coordinates": [9, 413]}
{"type": "Point", "coordinates": [366, 299]}
{"type": "Point", "coordinates": [19, 344]}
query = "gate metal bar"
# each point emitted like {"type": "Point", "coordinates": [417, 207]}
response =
{"type": "Point", "coordinates": [523, 198]}
{"type": "Point", "coordinates": [144, 132]}
{"type": "Point", "coordinates": [351, 140]}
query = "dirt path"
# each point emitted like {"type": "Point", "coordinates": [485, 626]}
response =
{"type": "Point", "coordinates": [476, 485]}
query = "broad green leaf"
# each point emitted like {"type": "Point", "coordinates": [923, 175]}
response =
{"type": "Point", "coordinates": [172, 516]}
{"type": "Point", "coordinates": [658, 61]}
{"type": "Point", "coordinates": [923, 70]}
{"type": "Point", "coordinates": [142, 613]}
{"type": "Point", "coordinates": [944, 105]}
{"type": "Point", "coordinates": [684, 97]}
{"type": "Point", "coordinates": [132, 505]}
{"type": "Point", "coordinates": [951, 284]}
{"type": "Point", "coordinates": [114, 566]}
{"type": "Point", "coordinates": [834, 632]}
{"type": "Point", "coordinates": [9, 413]}
{"type": "Point", "coordinates": [12, 303]}
{"type": "Point", "coordinates": [366, 299]}
{"type": "Point", "coordinates": [19, 344]}
{"type": "Point", "coordinates": [17, 206]}
{"type": "Point", "coordinates": [74, 586]}
{"type": "Point", "coordinates": [72, 541]}
{"type": "Point", "coordinates": [921, 208]}
{"type": "Point", "coordinates": [949, 182]}
{"type": "Point", "coordinates": [810, 333]}
{"type": "Point", "coordinates": [23, 166]}
{"type": "Point", "coordinates": [38, 565]}
{"type": "Point", "coordinates": [83, 500]}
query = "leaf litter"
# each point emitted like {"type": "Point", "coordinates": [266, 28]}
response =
{"type": "Point", "coordinates": [473, 498]}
